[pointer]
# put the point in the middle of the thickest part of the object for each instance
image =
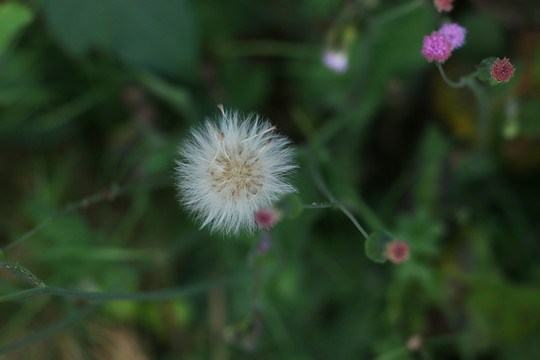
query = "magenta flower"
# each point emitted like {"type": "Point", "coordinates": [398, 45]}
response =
{"type": "Point", "coordinates": [502, 70]}
{"type": "Point", "coordinates": [454, 33]}
{"type": "Point", "coordinates": [436, 47]}
{"type": "Point", "coordinates": [336, 61]}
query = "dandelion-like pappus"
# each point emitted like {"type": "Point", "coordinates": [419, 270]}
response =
{"type": "Point", "coordinates": [231, 168]}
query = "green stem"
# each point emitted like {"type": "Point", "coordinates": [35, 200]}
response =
{"type": "Point", "coordinates": [326, 191]}
{"type": "Point", "coordinates": [114, 296]}
{"type": "Point", "coordinates": [482, 128]}
{"type": "Point", "coordinates": [461, 83]}
{"type": "Point", "coordinates": [319, 205]}
{"type": "Point", "coordinates": [22, 273]}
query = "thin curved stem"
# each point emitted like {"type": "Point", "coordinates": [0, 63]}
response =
{"type": "Point", "coordinates": [326, 191]}
{"type": "Point", "coordinates": [461, 83]}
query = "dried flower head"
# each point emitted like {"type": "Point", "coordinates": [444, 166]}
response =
{"type": "Point", "coordinates": [436, 47]}
{"type": "Point", "coordinates": [397, 251]}
{"type": "Point", "coordinates": [454, 33]}
{"type": "Point", "coordinates": [502, 70]}
{"type": "Point", "coordinates": [444, 5]}
{"type": "Point", "coordinates": [230, 168]}
{"type": "Point", "coordinates": [337, 61]}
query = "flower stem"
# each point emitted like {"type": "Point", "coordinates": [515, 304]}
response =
{"type": "Point", "coordinates": [326, 191]}
{"type": "Point", "coordinates": [482, 131]}
{"type": "Point", "coordinates": [22, 273]}
{"type": "Point", "coordinates": [318, 205]}
{"type": "Point", "coordinates": [113, 296]}
{"type": "Point", "coordinates": [462, 82]}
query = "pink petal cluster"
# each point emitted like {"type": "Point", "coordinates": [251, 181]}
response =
{"type": "Point", "coordinates": [436, 47]}
{"type": "Point", "coordinates": [502, 70]}
{"type": "Point", "coordinates": [439, 45]}
{"type": "Point", "coordinates": [444, 5]}
{"type": "Point", "coordinates": [454, 33]}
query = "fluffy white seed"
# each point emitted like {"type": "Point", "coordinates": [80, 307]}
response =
{"type": "Point", "coordinates": [230, 168]}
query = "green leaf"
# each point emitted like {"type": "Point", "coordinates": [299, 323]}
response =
{"type": "Point", "coordinates": [155, 34]}
{"type": "Point", "coordinates": [375, 245]}
{"type": "Point", "coordinates": [13, 18]}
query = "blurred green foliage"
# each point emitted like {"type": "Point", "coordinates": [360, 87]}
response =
{"type": "Point", "coordinates": [95, 97]}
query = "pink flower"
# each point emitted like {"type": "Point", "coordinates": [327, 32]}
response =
{"type": "Point", "coordinates": [454, 33]}
{"type": "Point", "coordinates": [444, 5]}
{"type": "Point", "coordinates": [436, 47]}
{"type": "Point", "coordinates": [397, 251]}
{"type": "Point", "coordinates": [502, 70]}
{"type": "Point", "coordinates": [267, 217]}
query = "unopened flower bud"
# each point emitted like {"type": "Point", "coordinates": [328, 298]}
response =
{"type": "Point", "coordinates": [267, 217]}
{"type": "Point", "coordinates": [444, 5]}
{"type": "Point", "coordinates": [397, 251]}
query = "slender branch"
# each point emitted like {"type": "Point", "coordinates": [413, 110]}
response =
{"type": "Point", "coordinates": [113, 296]}
{"type": "Point", "coordinates": [22, 273]}
{"type": "Point", "coordinates": [318, 205]}
{"type": "Point", "coordinates": [481, 96]}
{"type": "Point", "coordinates": [100, 297]}
{"type": "Point", "coordinates": [462, 82]}
{"type": "Point", "coordinates": [326, 191]}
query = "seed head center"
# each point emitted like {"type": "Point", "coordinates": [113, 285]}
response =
{"type": "Point", "coordinates": [234, 174]}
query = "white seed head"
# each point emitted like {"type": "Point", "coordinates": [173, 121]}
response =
{"type": "Point", "coordinates": [232, 167]}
